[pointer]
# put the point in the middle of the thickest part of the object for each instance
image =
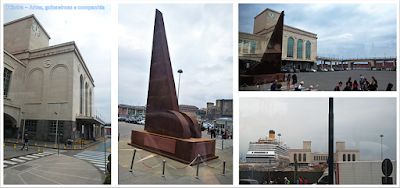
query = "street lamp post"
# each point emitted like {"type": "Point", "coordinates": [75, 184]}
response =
{"type": "Point", "coordinates": [180, 72]}
{"type": "Point", "coordinates": [23, 127]}
{"type": "Point", "coordinates": [279, 134]}
{"type": "Point", "coordinates": [381, 147]}
{"type": "Point", "coordinates": [56, 141]}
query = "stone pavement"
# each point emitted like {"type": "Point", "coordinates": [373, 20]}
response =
{"type": "Point", "coordinates": [53, 169]}
{"type": "Point", "coordinates": [147, 167]}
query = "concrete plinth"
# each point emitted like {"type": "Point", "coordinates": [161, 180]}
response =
{"type": "Point", "coordinates": [263, 79]}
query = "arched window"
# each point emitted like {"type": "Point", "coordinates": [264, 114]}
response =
{"type": "Point", "coordinates": [81, 96]}
{"type": "Point", "coordinates": [90, 102]}
{"type": "Point", "coordinates": [354, 157]}
{"type": "Point", "coordinates": [86, 99]}
{"type": "Point", "coordinates": [304, 157]}
{"type": "Point", "coordinates": [308, 50]}
{"type": "Point", "coordinates": [344, 157]}
{"type": "Point", "coordinates": [290, 44]}
{"type": "Point", "coordinates": [348, 157]}
{"type": "Point", "coordinates": [295, 157]}
{"type": "Point", "coordinates": [299, 48]}
{"type": "Point", "coordinates": [300, 157]}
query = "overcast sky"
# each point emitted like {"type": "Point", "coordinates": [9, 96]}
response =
{"type": "Point", "coordinates": [90, 31]}
{"type": "Point", "coordinates": [357, 121]}
{"type": "Point", "coordinates": [344, 30]}
{"type": "Point", "coordinates": [199, 39]}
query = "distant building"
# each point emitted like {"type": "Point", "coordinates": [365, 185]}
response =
{"type": "Point", "coordinates": [192, 110]}
{"type": "Point", "coordinates": [46, 88]}
{"type": "Point", "coordinates": [223, 108]}
{"type": "Point", "coordinates": [305, 156]}
{"type": "Point", "coordinates": [131, 111]}
{"type": "Point", "coordinates": [299, 47]}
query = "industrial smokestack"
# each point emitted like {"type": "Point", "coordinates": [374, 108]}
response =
{"type": "Point", "coordinates": [271, 134]}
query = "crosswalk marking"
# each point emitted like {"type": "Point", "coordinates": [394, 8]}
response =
{"type": "Point", "coordinates": [9, 162]}
{"type": "Point", "coordinates": [32, 156]}
{"type": "Point", "coordinates": [23, 159]}
{"type": "Point", "coordinates": [96, 157]}
{"type": "Point", "coordinates": [17, 160]}
{"type": "Point", "coordinates": [26, 158]}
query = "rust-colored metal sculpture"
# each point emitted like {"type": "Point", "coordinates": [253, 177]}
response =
{"type": "Point", "coordinates": [268, 69]}
{"type": "Point", "coordinates": [167, 131]}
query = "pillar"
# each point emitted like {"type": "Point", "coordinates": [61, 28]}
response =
{"type": "Point", "coordinates": [331, 64]}
{"type": "Point", "coordinates": [394, 63]}
{"type": "Point", "coordinates": [383, 64]}
{"type": "Point", "coordinates": [342, 64]}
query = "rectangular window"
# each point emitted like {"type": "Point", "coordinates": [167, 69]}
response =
{"type": "Point", "coordinates": [253, 47]}
{"type": "Point", "coordinates": [30, 125]}
{"type": "Point", "coordinates": [53, 127]}
{"type": "Point", "coordinates": [245, 46]}
{"type": "Point", "coordinates": [6, 83]}
{"type": "Point", "coordinates": [240, 44]}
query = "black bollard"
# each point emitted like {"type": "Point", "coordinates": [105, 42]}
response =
{"type": "Point", "coordinates": [133, 158]}
{"type": "Point", "coordinates": [198, 164]}
{"type": "Point", "coordinates": [223, 172]}
{"type": "Point", "coordinates": [163, 168]}
{"type": "Point", "coordinates": [222, 144]}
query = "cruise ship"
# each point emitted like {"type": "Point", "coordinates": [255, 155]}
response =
{"type": "Point", "coordinates": [268, 152]}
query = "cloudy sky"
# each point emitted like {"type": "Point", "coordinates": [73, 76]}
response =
{"type": "Point", "coordinates": [199, 38]}
{"type": "Point", "coordinates": [357, 121]}
{"type": "Point", "coordinates": [347, 30]}
{"type": "Point", "coordinates": [90, 31]}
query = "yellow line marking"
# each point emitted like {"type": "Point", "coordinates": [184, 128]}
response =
{"type": "Point", "coordinates": [22, 179]}
{"type": "Point", "coordinates": [70, 175]}
{"type": "Point", "coordinates": [124, 166]}
{"type": "Point", "coordinates": [150, 156]}
{"type": "Point", "coordinates": [45, 178]}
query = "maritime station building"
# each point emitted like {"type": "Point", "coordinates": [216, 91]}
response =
{"type": "Point", "coordinates": [45, 87]}
{"type": "Point", "coordinates": [305, 157]}
{"type": "Point", "coordinates": [299, 47]}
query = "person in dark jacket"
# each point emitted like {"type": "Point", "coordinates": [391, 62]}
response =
{"type": "Point", "coordinates": [26, 143]}
{"type": "Point", "coordinates": [294, 80]}
{"type": "Point", "coordinates": [274, 85]}
{"type": "Point", "coordinates": [348, 87]}
{"type": "Point", "coordinates": [337, 88]}
{"type": "Point", "coordinates": [389, 87]}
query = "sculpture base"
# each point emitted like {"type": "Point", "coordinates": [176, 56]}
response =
{"type": "Point", "coordinates": [182, 150]}
{"type": "Point", "coordinates": [261, 79]}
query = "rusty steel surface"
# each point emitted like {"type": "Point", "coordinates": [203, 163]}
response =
{"type": "Point", "coordinates": [162, 111]}
{"type": "Point", "coordinates": [160, 143]}
{"type": "Point", "coordinates": [271, 61]}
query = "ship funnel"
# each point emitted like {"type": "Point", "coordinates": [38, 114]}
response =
{"type": "Point", "coordinates": [271, 134]}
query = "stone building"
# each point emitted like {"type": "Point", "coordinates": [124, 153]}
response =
{"type": "Point", "coordinates": [299, 47]}
{"type": "Point", "coordinates": [192, 110]}
{"type": "Point", "coordinates": [43, 84]}
{"type": "Point", "coordinates": [223, 108]}
{"type": "Point", "coordinates": [131, 111]}
{"type": "Point", "coordinates": [305, 156]}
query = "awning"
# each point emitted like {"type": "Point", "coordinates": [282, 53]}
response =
{"type": "Point", "coordinates": [89, 120]}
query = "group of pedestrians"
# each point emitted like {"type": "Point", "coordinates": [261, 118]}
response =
{"type": "Point", "coordinates": [284, 181]}
{"type": "Point", "coordinates": [362, 85]}
{"type": "Point", "coordinates": [213, 132]}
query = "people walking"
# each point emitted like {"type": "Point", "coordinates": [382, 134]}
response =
{"type": "Point", "coordinates": [274, 85]}
{"type": "Point", "coordinates": [389, 87]}
{"type": "Point", "coordinates": [361, 80]}
{"type": "Point", "coordinates": [294, 80]}
{"type": "Point", "coordinates": [26, 143]}
{"type": "Point", "coordinates": [288, 81]}
{"type": "Point", "coordinates": [355, 85]}
{"type": "Point", "coordinates": [376, 83]}
{"type": "Point", "coordinates": [337, 88]}
{"type": "Point", "coordinates": [349, 81]}
{"type": "Point", "coordinates": [365, 85]}
{"type": "Point", "coordinates": [348, 87]}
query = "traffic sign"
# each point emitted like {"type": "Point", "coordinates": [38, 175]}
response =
{"type": "Point", "coordinates": [387, 167]}
{"type": "Point", "coordinates": [73, 129]}
{"type": "Point", "coordinates": [215, 120]}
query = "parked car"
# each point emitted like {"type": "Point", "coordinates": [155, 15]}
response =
{"type": "Point", "coordinates": [313, 70]}
{"type": "Point", "coordinates": [291, 70]}
{"type": "Point", "coordinates": [121, 118]}
{"type": "Point", "coordinates": [141, 122]}
{"type": "Point", "coordinates": [283, 70]}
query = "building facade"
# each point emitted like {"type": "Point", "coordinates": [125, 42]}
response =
{"type": "Point", "coordinates": [223, 108]}
{"type": "Point", "coordinates": [305, 157]}
{"type": "Point", "coordinates": [131, 111]}
{"type": "Point", "coordinates": [44, 85]}
{"type": "Point", "coordinates": [299, 47]}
